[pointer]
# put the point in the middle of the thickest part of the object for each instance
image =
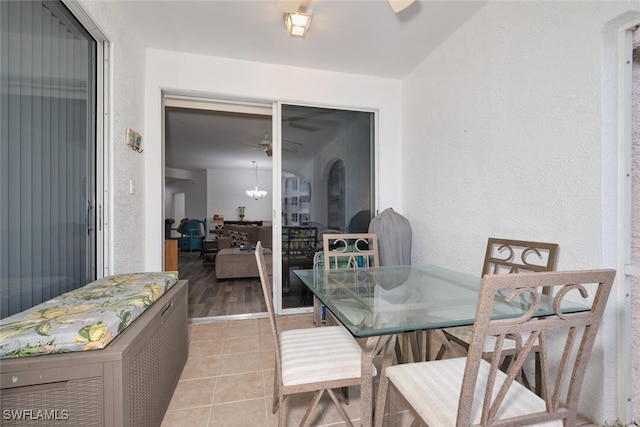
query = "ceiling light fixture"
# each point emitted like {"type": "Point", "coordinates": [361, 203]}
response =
{"type": "Point", "coordinates": [255, 193]}
{"type": "Point", "coordinates": [297, 23]}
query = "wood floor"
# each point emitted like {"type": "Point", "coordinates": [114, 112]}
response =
{"type": "Point", "coordinates": [209, 297]}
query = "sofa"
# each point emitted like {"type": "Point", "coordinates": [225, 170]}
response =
{"type": "Point", "coordinates": [235, 235]}
{"type": "Point", "coordinates": [235, 257]}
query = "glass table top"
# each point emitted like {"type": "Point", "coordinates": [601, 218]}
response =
{"type": "Point", "coordinates": [390, 300]}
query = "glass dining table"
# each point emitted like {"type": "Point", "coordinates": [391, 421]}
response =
{"type": "Point", "coordinates": [381, 303]}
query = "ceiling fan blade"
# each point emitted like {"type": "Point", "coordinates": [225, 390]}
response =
{"type": "Point", "coordinates": [289, 6]}
{"type": "Point", "coordinates": [289, 149]}
{"type": "Point", "coordinates": [399, 5]}
{"type": "Point", "coordinates": [287, 141]}
{"type": "Point", "coordinates": [249, 144]}
{"type": "Point", "coordinates": [303, 127]}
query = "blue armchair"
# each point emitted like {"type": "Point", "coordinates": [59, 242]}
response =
{"type": "Point", "coordinates": [192, 233]}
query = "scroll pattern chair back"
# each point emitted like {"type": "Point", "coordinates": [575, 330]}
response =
{"type": "Point", "coordinates": [518, 256]}
{"type": "Point", "coordinates": [350, 250]}
{"type": "Point", "coordinates": [301, 365]}
{"type": "Point", "coordinates": [507, 256]}
{"type": "Point", "coordinates": [355, 250]}
{"type": "Point", "coordinates": [470, 390]}
{"type": "Point", "coordinates": [360, 250]}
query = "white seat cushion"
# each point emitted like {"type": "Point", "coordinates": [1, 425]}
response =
{"type": "Point", "coordinates": [433, 390]}
{"type": "Point", "coordinates": [319, 354]}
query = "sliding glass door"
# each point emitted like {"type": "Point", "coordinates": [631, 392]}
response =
{"type": "Point", "coordinates": [327, 185]}
{"type": "Point", "coordinates": [47, 154]}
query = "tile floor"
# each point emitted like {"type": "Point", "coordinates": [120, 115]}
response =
{"type": "Point", "coordinates": [228, 379]}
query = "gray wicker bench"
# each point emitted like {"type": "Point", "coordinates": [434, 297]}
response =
{"type": "Point", "coordinates": [128, 383]}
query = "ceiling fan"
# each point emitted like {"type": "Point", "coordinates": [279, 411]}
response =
{"type": "Point", "coordinates": [293, 6]}
{"type": "Point", "coordinates": [294, 124]}
{"type": "Point", "coordinates": [267, 145]}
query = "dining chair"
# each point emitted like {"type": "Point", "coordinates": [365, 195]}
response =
{"type": "Point", "coordinates": [470, 390]}
{"type": "Point", "coordinates": [311, 359]}
{"type": "Point", "coordinates": [351, 250]}
{"type": "Point", "coordinates": [360, 250]}
{"type": "Point", "coordinates": [507, 256]}
{"type": "Point", "coordinates": [344, 250]}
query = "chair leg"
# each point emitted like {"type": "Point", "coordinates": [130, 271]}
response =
{"type": "Point", "coordinates": [506, 362]}
{"type": "Point", "coordinates": [446, 346]}
{"type": "Point", "coordinates": [538, 375]}
{"type": "Point", "coordinates": [394, 406]}
{"type": "Point", "coordinates": [398, 351]}
{"type": "Point", "coordinates": [277, 397]}
{"type": "Point", "coordinates": [418, 343]}
{"type": "Point", "coordinates": [388, 359]}
{"type": "Point", "coordinates": [312, 406]}
{"type": "Point", "coordinates": [522, 377]}
{"type": "Point", "coordinates": [441, 353]}
{"type": "Point", "coordinates": [340, 408]}
{"type": "Point", "coordinates": [281, 412]}
{"type": "Point", "coordinates": [317, 311]}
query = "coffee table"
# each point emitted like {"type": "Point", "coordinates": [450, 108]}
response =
{"type": "Point", "coordinates": [209, 250]}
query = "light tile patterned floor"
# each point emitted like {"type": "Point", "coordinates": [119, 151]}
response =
{"type": "Point", "coordinates": [228, 379]}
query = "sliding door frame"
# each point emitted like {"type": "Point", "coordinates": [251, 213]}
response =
{"type": "Point", "coordinates": [213, 100]}
{"type": "Point", "coordinates": [277, 190]}
{"type": "Point", "coordinates": [103, 258]}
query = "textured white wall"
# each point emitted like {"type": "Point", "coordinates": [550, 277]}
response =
{"type": "Point", "coordinates": [498, 133]}
{"type": "Point", "coordinates": [127, 61]}
{"type": "Point", "coordinates": [226, 78]}
{"type": "Point", "coordinates": [503, 134]}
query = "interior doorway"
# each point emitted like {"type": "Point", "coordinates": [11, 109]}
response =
{"type": "Point", "coordinates": [217, 150]}
{"type": "Point", "coordinates": [211, 150]}
{"type": "Point", "coordinates": [177, 210]}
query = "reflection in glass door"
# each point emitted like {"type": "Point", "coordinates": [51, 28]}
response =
{"type": "Point", "coordinates": [327, 185]}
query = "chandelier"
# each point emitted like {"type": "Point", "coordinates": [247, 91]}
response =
{"type": "Point", "coordinates": [255, 193]}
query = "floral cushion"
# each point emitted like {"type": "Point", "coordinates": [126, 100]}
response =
{"type": "Point", "coordinates": [87, 318]}
{"type": "Point", "coordinates": [238, 238]}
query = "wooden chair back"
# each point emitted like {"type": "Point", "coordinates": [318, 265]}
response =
{"type": "Point", "coordinates": [560, 391]}
{"type": "Point", "coordinates": [505, 256]}
{"type": "Point", "coordinates": [356, 250]}
{"type": "Point", "coordinates": [518, 256]}
{"type": "Point", "coordinates": [267, 290]}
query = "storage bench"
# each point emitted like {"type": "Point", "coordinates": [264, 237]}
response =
{"type": "Point", "coordinates": [129, 382]}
